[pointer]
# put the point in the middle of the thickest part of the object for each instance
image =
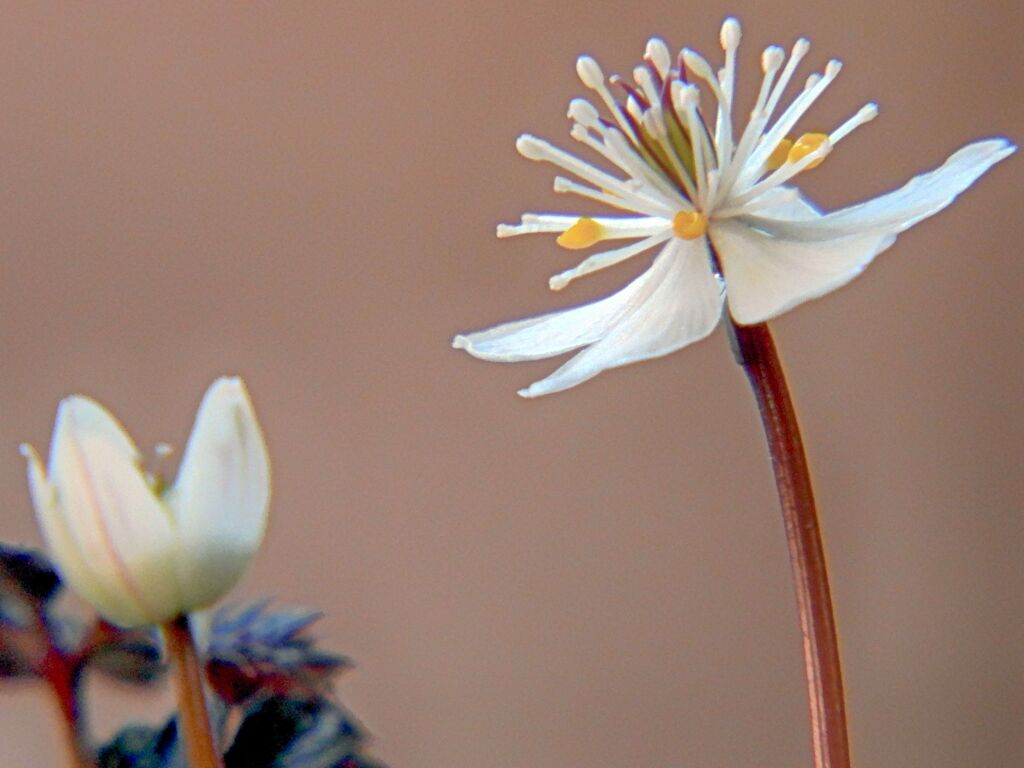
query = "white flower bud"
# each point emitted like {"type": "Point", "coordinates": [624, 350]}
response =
{"type": "Point", "coordinates": [139, 555]}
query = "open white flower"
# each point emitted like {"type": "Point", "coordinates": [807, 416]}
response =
{"type": "Point", "coordinates": [717, 204]}
{"type": "Point", "coordinates": [139, 552]}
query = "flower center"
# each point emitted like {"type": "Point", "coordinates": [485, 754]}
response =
{"type": "Point", "coordinates": [689, 225]}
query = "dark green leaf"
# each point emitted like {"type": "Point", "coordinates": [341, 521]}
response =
{"type": "Point", "coordinates": [131, 656]}
{"type": "Point", "coordinates": [140, 746]}
{"type": "Point", "coordinates": [289, 733]}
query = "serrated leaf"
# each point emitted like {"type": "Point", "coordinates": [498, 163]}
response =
{"type": "Point", "coordinates": [253, 650]}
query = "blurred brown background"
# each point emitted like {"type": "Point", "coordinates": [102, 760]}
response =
{"type": "Point", "coordinates": [306, 194]}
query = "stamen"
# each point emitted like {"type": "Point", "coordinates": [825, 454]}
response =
{"type": "Point", "coordinates": [786, 122]}
{"type": "Point", "coordinates": [866, 114]}
{"type": "Point", "coordinates": [779, 156]}
{"type": "Point", "coordinates": [772, 58]}
{"type": "Point", "coordinates": [658, 54]}
{"type": "Point", "coordinates": [644, 78]}
{"type": "Point", "coordinates": [604, 259]}
{"type": "Point", "coordinates": [800, 48]}
{"type": "Point", "coordinates": [730, 40]}
{"type": "Point", "coordinates": [633, 107]}
{"type": "Point", "coordinates": [771, 61]}
{"type": "Point", "coordinates": [689, 225]}
{"type": "Point", "coordinates": [584, 113]}
{"type": "Point", "coordinates": [533, 148]}
{"type": "Point", "coordinates": [155, 476]}
{"type": "Point", "coordinates": [623, 199]}
{"type": "Point", "coordinates": [534, 224]}
{"type": "Point", "coordinates": [590, 72]}
{"type": "Point", "coordinates": [780, 176]}
{"type": "Point", "coordinates": [688, 97]}
{"type": "Point", "coordinates": [714, 181]}
{"type": "Point", "coordinates": [583, 234]}
{"type": "Point", "coordinates": [641, 169]}
{"type": "Point", "coordinates": [592, 77]}
{"type": "Point", "coordinates": [730, 34]}
{"type": "Point", "coordinates": [655, 124]}
{"type": "Point", "coordinates": [585, 137]}
{"type": "Point", "coordinates": [723, 128]}
{"type": "Point", "coordinates": [700, 67]}
{"type": "Point", "coordinates": [805, 145]}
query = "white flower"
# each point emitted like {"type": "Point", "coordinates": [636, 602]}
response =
{"type": "Point", "coordinates": [714, 201]}
{"type": "Point", "coordinates": [141, 553]}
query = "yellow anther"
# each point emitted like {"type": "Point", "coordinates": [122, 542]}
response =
{"type": "Point", "coordinates": [583, 234]}
{"type": "Point", "coordinates": [689, 225]}
{"type": "Point", "coordinates": [806, 144]}
{"type": "Point", "coordinates": [779, 155]}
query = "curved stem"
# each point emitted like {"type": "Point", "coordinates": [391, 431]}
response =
{"type": "Point", "coordinates": [755, 351]}
{"type": "Point", "coordinates": [193, 715]}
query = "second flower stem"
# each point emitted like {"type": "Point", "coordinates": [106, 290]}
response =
{"type": "Point", "coordinates": [755, 351]}
{"type": "Point", "coordinates": [193, 715]}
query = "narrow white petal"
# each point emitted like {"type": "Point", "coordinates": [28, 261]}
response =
{"type": "Point", "coordinates": [93, 584]}
{"type": "Point", "coordinates": [894, 212]}
{"type": "Point", "coordinates": [766, 276]}
{"type": "Point", "coordinates": [557, 332]}
{"type": "Point", "coordinates": [682, 304]}
{"type": "Point", "coordinates": [121, 529]}
{"type": "Point", "coordinates": [221, 494]}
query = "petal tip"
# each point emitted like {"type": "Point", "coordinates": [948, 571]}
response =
{"type": "Point", "coordinates": [461, 342]}
{"type": "Point", "coordinates": [228, 385]}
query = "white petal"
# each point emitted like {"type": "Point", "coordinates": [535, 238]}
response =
{"type": "Point", "coordinates": [766, 276]}
{"type": "Point", "coordinates": [558, 332]}
{"type": "Point", "coordinates": [789, 208]}
{"type": "Point", "coordinates": [918, 199]}
{"type": "Point", "coordinates": [221, 494]}
{"type": "Point", "coordinates": [680, 303]}
{"type": "Point", "coordinates": [118, 525]}
{"type": "Point", "coordinates": [115, 604]}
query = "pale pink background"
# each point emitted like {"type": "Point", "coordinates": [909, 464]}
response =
{"type": "Point", "coordinates": [306, 193]}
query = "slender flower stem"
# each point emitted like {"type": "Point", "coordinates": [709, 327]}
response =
{"type": "Point", "coordinates": [63, 676]}
{"type": "Point", "coordinates": [193, 715]}
{"type": "Point", "coordinates": [755, 351]}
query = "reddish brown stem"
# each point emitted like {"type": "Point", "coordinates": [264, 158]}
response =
{"type": "Point", "coordinates": [62, 673]}
{"type": "Point", "coordinates": [193, 715]}
{"type": "Point", "coordinates": [755, 351]}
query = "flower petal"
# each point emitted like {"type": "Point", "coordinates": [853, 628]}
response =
{"type": "Point", "coordinates": [766, 276]}
{"type": "Point", "coordinates": [221, 494]}
{"type": "Point", "coordinates": [118, 525]}
{"type": "Point", "coordinates": [918, 199]}
{"type": "Point", "coordinates": [115, 604]}
{"type": "Point", "coordinates": [680, 302]}
{"type": "Point", "coordinates": [789, 207]}
{"type": "Point", "coordinates": [557, 332]}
